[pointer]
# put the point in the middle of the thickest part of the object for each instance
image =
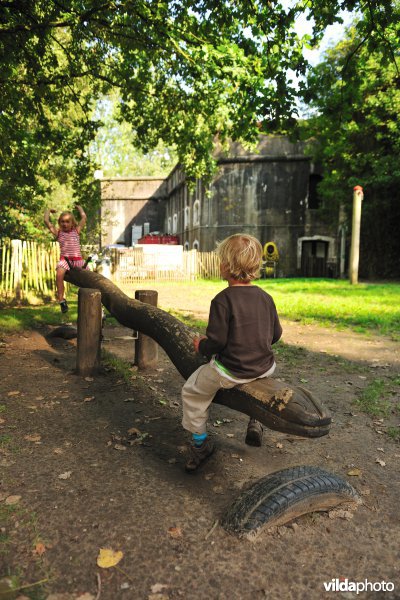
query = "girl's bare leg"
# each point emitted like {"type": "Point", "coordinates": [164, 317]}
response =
{"type": "Point", "coordinates": [60, 284]}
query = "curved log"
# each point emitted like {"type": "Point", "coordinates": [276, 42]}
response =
{"type": "Point", "coordinates": [287, 409]}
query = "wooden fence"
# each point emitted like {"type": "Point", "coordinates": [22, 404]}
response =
{"type": "Point", "coordinates": [28, 268]}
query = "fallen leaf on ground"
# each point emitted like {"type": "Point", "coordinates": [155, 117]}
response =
{"type": "Point", "coordinates": [108, 558]}
{"type": "Point", "coordinates": [355, 472]}
{"type": "Point", "coordinates": [58, 451]}
{"type": "Point", "coordinates": [12, 500]}
{"type": "Point", "coordinates": [230, 435]}
{"type": "Point", "coordinates": [85, 596]}
{"type": "Point", "coordinates": [2, 421]}
{"type": "Point", "coordinates": [157, 597]}
{"type": "Point", "coordinates": [89, 379]}
{"type": "Point", "coordinates": [134, 431]}
{"type": "Point", "coordinates": [65, 475]}
{"type": "Point", "coordinates": [380, 462]}
{"type": "Point", "coordinates": [89, 398]}
{"type": "Point", "coordinates": [279, 445]}
{"type": "Point", "coordinates": [40, 549]}
{"type": "Point", "coordinates": [174, 532]}
{"type": "Point", "coordinates": [158, 587]}
{"type": "Point", "coordinates": [119, 447]}
{"type": "Point", "coordinates": [36, 437]}
{"type": "Point", "coordinates": [14, 393]}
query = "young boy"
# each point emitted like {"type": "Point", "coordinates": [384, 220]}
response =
{"type": "Point", "coordinates": [242, 327]}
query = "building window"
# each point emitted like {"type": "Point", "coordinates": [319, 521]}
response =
{"type": "Point", "coordinates": [186, 246]}
{"type": "Point", "coordinates": [186, 215]}
{"type": "Point", "coordinates": [175, 223]}
{"type": "Point", "coordinates": [196, 245]}
{"type": "Point", "coordinates": [196, 212]}
{"type": "Point", "coordinates": [169, 226]}
{"type": "Point", "coordinates": [314, 199]}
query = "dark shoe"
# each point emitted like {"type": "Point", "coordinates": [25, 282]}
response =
{"type": "Point", "coordinates": [64, 306]}
{"type": "Point", "coordinates": [254, 433]}
{"type": "Point", "coordinates": [199, 455]}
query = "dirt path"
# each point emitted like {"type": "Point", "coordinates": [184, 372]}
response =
{"type": "Point", "coordinates": [82, 486]}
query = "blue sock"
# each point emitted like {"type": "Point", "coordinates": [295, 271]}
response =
{"type": "Point", "coordinates": [198, 439]}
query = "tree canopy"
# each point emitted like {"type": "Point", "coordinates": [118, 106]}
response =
{"type": "Point", "coordinates": [186, 72]}
{"type": "Point", "coordinates": [355, 96]}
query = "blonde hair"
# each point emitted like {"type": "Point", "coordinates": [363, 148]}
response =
{"type": "Point", "coordinates": [241, 255]}
{"type": "Point", "coordinates": [67, 213]}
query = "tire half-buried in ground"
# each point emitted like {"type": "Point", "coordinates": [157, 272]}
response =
{"type": "Point", "coordinates": [284, 495]}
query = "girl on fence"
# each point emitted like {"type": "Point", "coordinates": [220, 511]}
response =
{"type": "Point", "coordinates": [68, 238]}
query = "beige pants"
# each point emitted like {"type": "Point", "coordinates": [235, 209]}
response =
{"type": "Point", "coordinates": [198, 392]}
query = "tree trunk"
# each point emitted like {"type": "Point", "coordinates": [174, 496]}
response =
{"type": "Point", "coordinates": [289, 410]}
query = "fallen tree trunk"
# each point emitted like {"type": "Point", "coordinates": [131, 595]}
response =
{"type": "Point", "coordinates": [287, 409]}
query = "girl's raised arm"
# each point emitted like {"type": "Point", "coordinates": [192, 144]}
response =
{"type": "Point", "coordinates": [82, 222]}
{"type": "Point", "coordinates": [48, 223]}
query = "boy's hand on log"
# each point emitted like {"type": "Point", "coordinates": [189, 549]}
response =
{"type": "Point", "coordinates": [196, 341]}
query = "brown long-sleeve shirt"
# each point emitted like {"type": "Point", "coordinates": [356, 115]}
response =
{"type": "Point", "coordinates": [242, 327]}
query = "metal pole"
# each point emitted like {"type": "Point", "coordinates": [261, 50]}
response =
{"type": "Point", "coordinates": [355, 234]}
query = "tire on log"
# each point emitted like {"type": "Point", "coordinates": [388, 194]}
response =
{"type": "Point", "coordinates": [286, 409]}
{"type": "Point", "coordinates": [284, 495]}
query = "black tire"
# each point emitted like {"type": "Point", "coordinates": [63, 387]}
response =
{"type": "Point", "coordinates": [284, 495]}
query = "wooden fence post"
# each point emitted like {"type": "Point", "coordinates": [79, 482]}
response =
{"type": "Point", "coordinates": [89, 331]}
{"type": "Point", "coordinates": [146, 349]}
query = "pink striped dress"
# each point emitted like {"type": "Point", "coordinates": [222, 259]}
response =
{"type": "Point", "coordinates": [70, 247]}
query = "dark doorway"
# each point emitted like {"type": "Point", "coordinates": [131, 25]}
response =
{"type": "Point", "coordinates": [314, 255]}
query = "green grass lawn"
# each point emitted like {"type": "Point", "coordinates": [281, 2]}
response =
{"type": "Point", "coordinates": [366, 308]}
{"type": "Point", "coordinates": [30, 317]}
{"type": "Point", "coordinates": [363, 307]}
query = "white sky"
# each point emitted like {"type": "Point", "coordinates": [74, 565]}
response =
{"type": "Point", "coordinates": [333, 33]}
